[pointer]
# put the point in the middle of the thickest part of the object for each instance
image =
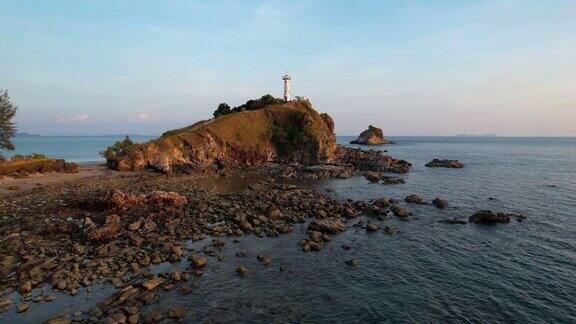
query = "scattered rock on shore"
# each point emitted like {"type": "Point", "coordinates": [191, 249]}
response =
{"type": "Point", "coordinates": [328, 225]}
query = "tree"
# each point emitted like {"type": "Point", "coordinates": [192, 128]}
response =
{"type": "Point", "coordinates": [7, 126]}
{"type": "Point", "coordinates": [223, 109]}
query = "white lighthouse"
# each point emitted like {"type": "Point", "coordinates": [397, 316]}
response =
{"type": "Point", "coordinates": [287, 79]}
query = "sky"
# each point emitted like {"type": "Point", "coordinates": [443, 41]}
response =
{"type": "Point", "coordinates": [95, 67]}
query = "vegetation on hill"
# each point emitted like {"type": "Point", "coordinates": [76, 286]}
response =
{"type": "Point", "coordinates": [253, 104]}
{"type": "Point", "coordinates": [291, 136]}
{"type": "Point", "coordinates": [7, 126]}
{"type": "Point", "coordinates": [118, 150]}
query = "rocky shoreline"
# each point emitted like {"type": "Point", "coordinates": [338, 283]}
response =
{"type": "Point", "coordinates": [112, 230]}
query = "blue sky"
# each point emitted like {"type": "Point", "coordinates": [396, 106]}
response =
{"type": "Point", "coordinates": [410, 67]}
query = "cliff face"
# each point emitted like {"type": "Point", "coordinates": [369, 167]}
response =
{"type": "Point", "coordinates": [290, 132]}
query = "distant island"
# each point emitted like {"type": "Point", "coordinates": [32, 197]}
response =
{"type": "Point", "coordinates": [24, 134]}
{"type": "Point", "coordinates": [473, 135]}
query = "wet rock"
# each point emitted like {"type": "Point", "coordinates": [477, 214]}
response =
{"type": "Point", "coordinates": [373, 176]}
{"type": "Point", "coordinates": [155, 316]}
{"type": "Point", "coordinates": [490, 217]}
{"type": "Point", "coordinates": [5, 305]}
{"type": "Point", "coordinates": [389, 230]}
{"type": "Point", "coordinates": [63, 319]}
{"type": "Point", "coordinates": [153, 283]}
{"type": "Point", "coordinates": [413, 199]}
{"type": "Point", "coordinates": [175, 275]}
{"type": "Point", "coordinates": [107, 231]}
{"type": "Point", "coordinates": [315, 236]}
{"type": "Point", "coordinates": [22, 308]}
{"type": "Point", "coordinates": [186, 290]}
{"type": "Point", "coordinates": [198, 261]}
{"type": "Point", "coordinates": [264, 260]}
{"type": "Point", "coordinates": [346, 247]}
{"type": "Point", "coordinates": [352, 263]}
{"type": "Point", "coordinates": [135, 225]}
{"type": "Point", "coordinates": [329, 225]}
{"type": "Point", "coordinates": [49, 298]}
{"type": "Point", "coordinates": [372, 227]}
{"type": "Point", "coordinates": [177, 313]}
{"type": "Point", "coordinates": [400, 212]}
{"type": "Point", "coordinates": [315, 246]}
{"type": "Point", "coordinates": [26, 287]}
{"type": "Point", "coordinates": [437, 163]}
{"type": "Point", "coordinates": [453, 221]}
{"type": "Point", "coordinates": [392, 180]}
{"type": "Point", "coordinates": [242, 270]}
{"type": "Point", "coordinates": [272, 212]}
{"type": "Point", "coordinates": [373, 161]}
{"type": "Point", "coordinates": [440, 203]}
{"type": "Point", "coordinates": [217, 243]}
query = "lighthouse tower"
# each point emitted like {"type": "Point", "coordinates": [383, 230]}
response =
{"type": "Point", "coordinates": [287, 79]}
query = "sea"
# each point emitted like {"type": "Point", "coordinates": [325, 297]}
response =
{"type": "Point", "coordinates": [429, 272]}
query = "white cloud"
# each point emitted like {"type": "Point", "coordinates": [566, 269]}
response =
{"type": "Point", "coordinates": [143, 118]}
{"type": "Point", "coordinates": [77, 119]}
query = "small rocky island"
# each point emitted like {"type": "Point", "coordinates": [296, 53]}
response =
{"type": "Point", "coordinates": [451, 164]}
{"type": "Point", "coordinates": [371, 136]}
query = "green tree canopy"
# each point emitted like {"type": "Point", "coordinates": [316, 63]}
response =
{"type": "Point", "coordinates": [7, 126]}
{"type": "Point", "coordinates": [223, 109]}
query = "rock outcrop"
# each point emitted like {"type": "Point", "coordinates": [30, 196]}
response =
{"type": "Point", "coordinates": [491, 217]}
{"type": "Point", "coordinates": [23, 166]}
{"type": "Point", "coordinates": [371, 136]}
{"type": "Point", "coordinates": [436, 163]}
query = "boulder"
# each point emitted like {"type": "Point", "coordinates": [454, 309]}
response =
{"type": "Point", "coordinates": [437, 163]}
{"type": "Point", "coordinates": [371, 136]}
{"type": "Point", "coordinates": [490, 217]}
{"type": "Point", "coordinates": [330, 225]}
{"type": "Point", "coordinates": [400, 212]}
{"type": "Point", "coordinates": [440, 203]}
{"type": "Point", "coordinates": [413, 199]}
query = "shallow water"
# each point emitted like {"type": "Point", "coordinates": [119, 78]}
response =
{"type": "Point", "coordinates": [429, 272]}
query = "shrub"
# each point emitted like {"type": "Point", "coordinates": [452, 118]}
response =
{"type": "Point", "coordinates": [119, 149]}
{"type": "Point", "coordinates": [33, 156]}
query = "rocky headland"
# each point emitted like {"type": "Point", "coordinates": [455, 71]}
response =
{"type": "Point", "coordinates": [371, 136]}
{"type": "Point", "coordinates": [287, 133]}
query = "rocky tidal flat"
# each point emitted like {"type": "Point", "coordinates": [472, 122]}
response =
{"type": "Point", "coordinates": [115, 231]}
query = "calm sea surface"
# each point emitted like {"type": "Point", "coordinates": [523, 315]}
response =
{"type": "Point", "coordinates": [429, 272]}
{"type": "Point", "coordinates": [71, 148]}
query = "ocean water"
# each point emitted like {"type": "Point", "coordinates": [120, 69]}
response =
{"type": "Point", "coordinates": [71, 148]}
{"type": "Point", "coordinates": [429, 272]}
